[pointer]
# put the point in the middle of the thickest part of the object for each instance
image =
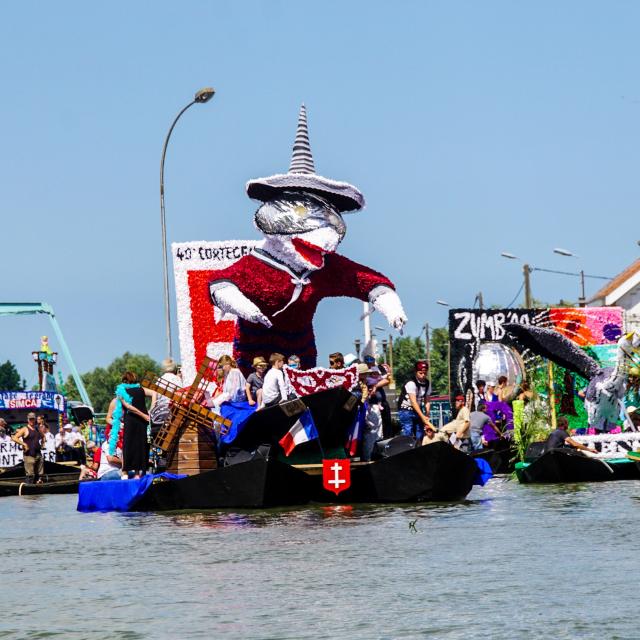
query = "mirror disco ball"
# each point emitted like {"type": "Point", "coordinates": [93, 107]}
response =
{"type": "Point", "coordinates": [494, 360]}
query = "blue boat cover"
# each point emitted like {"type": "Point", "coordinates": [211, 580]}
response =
{"type": "Point", "coordinates": [483, 473]}
{"type": "Point", "coordinates": [115, 495]}
{"type": "Point", "coordinates": [238, 413]}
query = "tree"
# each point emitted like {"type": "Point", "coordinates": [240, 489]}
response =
{"type": "Point", "coordinates": [101, 382]}
{"type": "Point", "coordinates": [440, 361]}
{"type": "Point", "coordinates": [10, 378]}
{"type": "Point", "coordinates": [407, 351]}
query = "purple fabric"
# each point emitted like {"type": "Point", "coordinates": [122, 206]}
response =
{"type": "Point", "coordinates": [489, 433]}
{"type": "Point", "coordinates": [498, 411]}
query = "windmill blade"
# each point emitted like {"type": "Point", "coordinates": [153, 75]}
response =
{"type": "Point", "coordinates": [554, 346]}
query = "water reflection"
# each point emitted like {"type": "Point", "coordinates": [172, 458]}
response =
{"type": "Point", "coordinates": [478, 568]}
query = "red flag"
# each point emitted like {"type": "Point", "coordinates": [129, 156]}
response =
{"type": "Point", "coordinates": [336, 475]}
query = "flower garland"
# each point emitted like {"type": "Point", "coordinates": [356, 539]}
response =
{"type": "Point", "coordinates": [121, 394]}
{"type": "Point", "coordinates": [613, 445]}
{"type": "Point", "coordinates": [319, 379]}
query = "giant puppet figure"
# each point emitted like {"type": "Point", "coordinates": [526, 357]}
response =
{"type": "Point", "coordinates": [606, 386]}
{"type": "Point", "coordinates": [274, 291]}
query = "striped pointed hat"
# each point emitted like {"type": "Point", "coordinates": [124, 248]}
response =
{"type": "Point", "coordinates": [302, 177]}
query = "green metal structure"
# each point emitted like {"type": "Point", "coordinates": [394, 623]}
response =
{"type": "Point", "coordinates": [34, 308]}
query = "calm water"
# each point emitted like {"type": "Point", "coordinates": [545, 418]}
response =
{"type": "Point", "coordinates": [511, 562]}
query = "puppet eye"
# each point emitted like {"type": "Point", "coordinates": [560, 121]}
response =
{"type": "Point", "coordinates": [300, 210]}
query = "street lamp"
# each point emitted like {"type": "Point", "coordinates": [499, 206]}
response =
{"type": "Point", "coordinates": [201, 96]}
{"type": "Point", "coordinates": [357, 343]}
{"type": "Point", "coordinates": [582, 300]}
{"type": "Point", "coordinates": [443, 303]}
{"type": "Point", "coordinates": [526, 272]}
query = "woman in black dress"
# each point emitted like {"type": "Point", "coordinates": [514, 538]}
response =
{"type": "Point", "coordinates": [135, 450]}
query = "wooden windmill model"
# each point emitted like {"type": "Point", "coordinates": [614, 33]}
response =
{"type": "Point", "coordinates": [187, 437]}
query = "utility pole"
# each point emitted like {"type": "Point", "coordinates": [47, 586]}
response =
{"type": "Point", "coordinates": [582, 301]}
{"type": "Point", "coordinates": [526, 270]}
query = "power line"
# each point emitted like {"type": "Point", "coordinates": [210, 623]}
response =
{"type": "Point", "coordinates": [516, 296]}
{"type": "Point", "coordinates": [569, 273]}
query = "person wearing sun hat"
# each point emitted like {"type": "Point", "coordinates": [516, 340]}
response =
{"type": "Point", "coordinates": [255, 381]}
{"type": "Point", "coordinates": [274, 291]}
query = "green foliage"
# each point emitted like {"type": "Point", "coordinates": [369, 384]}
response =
{"type": "Point", "coordinates": [407, 351]}
{"type": "Point", "coordinates": [530, 424]}
{"type": "Point", "coordinates": [101, 383]}
{"type": "Point", "coordinates": [10, 378]}
{"type": "Point", "coordinates": [540, 304]}
{"type": "Point", "coordinates": [440, 361]}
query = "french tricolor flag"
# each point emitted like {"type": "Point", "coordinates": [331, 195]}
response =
{"type": "Point", "coordinates": [356, 431]}
{"type": "Point", "coordinates": [302, 431]}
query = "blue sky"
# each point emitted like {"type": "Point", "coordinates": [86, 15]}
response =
{"type": "Point", "coordinates": [472, 128]}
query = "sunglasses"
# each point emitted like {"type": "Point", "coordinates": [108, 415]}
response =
{"type": "Point", "coordinates": [336, 361]}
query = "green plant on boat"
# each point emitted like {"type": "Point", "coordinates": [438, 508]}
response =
{"type": "Point", "coordinates": [530, 420]}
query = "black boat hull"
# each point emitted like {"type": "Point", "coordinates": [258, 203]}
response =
{"type": "Point", "coordinates": [564, 465]}
{"type": "Point", "coordinates": [18, 488]}
{"type": "Point", "coordinates": [58, 478]}
{"type": "Point", "coordinates": [500, 457]}
{"type": "Point", "coordinates": [436, 472]}
{"type": "Point", "coordinates": [248, 485]}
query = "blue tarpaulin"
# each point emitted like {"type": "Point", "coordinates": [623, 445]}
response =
{"type": "Point", "coordinates": [115, 495]}
{"type": "Point", "coordinates": [483, 473]}
{"type": "Point", "coordinates": [238, 413]}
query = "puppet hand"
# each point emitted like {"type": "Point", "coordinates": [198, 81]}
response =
{"type": "Point", "coordinates": [262, 319]}
{"type": "Point", "coordinates": [386, 301]}
{"type": "Point", "coordinates": [230, 299]}
{"type": "Point", "coordinates": [399, 322]}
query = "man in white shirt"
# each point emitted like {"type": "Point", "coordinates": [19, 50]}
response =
{"type": "Point", "coordinates": [274, 390]}
{"type": "Point", "coordinates": [64, 451]}
{"type": "Point", "coordinates": [110, 466]}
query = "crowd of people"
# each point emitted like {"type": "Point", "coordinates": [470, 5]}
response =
{"type": "Point", "coordinates": [126, 455]}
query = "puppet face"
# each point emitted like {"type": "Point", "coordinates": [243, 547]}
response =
{"type": "Point", "coordinates": [301, 228]}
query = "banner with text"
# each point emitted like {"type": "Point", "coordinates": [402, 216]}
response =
{"type": "Point", "coordinates": [33, 400]}
{"type": "Point", "coordinates": [204, 330]}
{"type": "Point", "coordinates": [11, 453]}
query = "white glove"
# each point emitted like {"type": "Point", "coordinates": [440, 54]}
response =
{"type": "Point", "coordinates": [229, 299]}
{"type": "Point", "coordinates": [387, 302]}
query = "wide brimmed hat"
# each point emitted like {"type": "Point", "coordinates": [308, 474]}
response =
{"type": "Point", "coordinates": [302, 177]}
{"type": "Point", "coordinates": [258, 360]}
{"type": "Point", "coordinates": [169, 365]}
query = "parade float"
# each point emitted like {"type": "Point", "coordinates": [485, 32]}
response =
{"type": "Point", "coordinates": [46, 399]}
{"type": "Point", "coordinates": [253, 298]}
{"type": "Point", "coordinates": [575, 362]}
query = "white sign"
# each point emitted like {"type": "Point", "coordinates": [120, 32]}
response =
{"type": "Point", "coordinates": [11, 453]}
{"type": "Point", "coordinates": [204, 330]}
{"type": "Point", "coordinates": [611, 445]}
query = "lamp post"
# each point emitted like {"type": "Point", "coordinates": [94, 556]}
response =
{"type": "Point", "coordinates": [582, 300]}
{"type": "Point", "coordinates": [201, 96]}
{"type": "Point", "coordinates": [357, 343]}
{"type": "Point", "coordinates": [527, 269]}
{"type": "Point", "coordinates": [526, 272]}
